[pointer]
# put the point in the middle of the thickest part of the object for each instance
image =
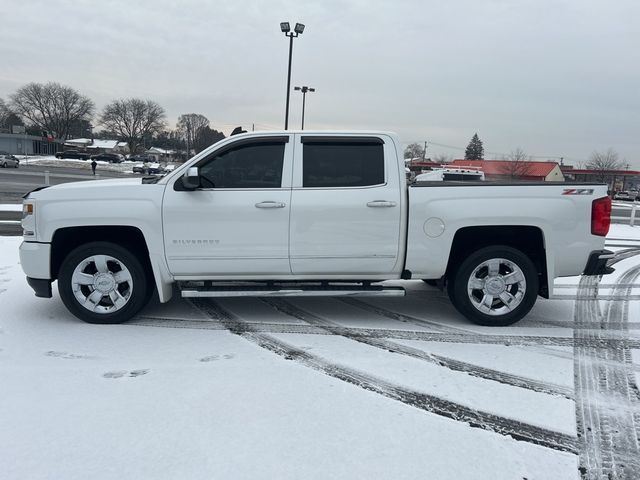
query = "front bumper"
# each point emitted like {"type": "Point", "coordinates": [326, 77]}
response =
{"type": "Point", "coordinates": [35, 259]}
{"type": "Point", "coordinates": [597, 263]}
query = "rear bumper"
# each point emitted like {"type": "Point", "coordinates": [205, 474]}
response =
{"type": "Point", "coordinates": [597, 263]}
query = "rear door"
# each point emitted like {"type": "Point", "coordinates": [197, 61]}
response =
{"type": "Point", "coordinates": [345, 206]}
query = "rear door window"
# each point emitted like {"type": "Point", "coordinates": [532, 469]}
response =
{"type": "Point", "coordinates": [330, 163]}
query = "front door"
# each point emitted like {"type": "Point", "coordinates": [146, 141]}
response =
{"type": "Point", "coordinates": [237, 222]}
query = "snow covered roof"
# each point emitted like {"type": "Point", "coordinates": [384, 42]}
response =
{"type": "Point", "coordinates": [95, 143]}
{"type": "Point", "coordinates": [108, 144]}
{"type": "Point", "coordinates": [160, 151]}
{"type": "Point", "coordinates": [78, 142]}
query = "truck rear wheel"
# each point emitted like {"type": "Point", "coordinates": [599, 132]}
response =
{"type": "Point", "coordinates": [494, 286]}
{"type": "Point", "coordinates": [102, 282]}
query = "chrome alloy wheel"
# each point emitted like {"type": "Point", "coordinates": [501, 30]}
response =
{"type": "Point", "coordinates": [102, 284]}
{"type": "Point", "coordinates": [496, 286]}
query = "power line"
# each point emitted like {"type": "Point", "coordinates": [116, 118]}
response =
{"type": "Point", "coordinates": [501, 154]}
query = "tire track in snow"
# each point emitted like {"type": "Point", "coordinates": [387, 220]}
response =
{"type": "Point", "coordinates": [429, 403]}
{"type": "Point", "coordinates": [452, 364]}
{"type": "Point", "coordinates": [448, 333]}
{"type": "Point", "coordinates": [401, 317]}
{"type": "Point", "coordinates": [383, 333]}
{"type": "Point", "coordinates": [607, 410]}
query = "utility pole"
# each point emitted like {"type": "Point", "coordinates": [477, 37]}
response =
{"type": "Point", "coordinates": [424, 152]}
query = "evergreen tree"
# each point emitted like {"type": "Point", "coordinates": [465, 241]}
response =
{"type": "Point", "coordinates": [475, 150]}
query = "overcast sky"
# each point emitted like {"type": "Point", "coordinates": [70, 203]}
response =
{"type": "Point", "coordinates": [556, 78]}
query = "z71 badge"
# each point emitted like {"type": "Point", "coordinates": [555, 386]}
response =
{"type": "Point", "coordinates": [577, 191]}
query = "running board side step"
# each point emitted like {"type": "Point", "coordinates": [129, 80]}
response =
{"type": "Point", "coordinates": [293, 291]}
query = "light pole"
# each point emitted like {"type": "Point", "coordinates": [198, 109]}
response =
{"type": "Point", "coordinates": [304, 91]}
{"type": "Point", "coordinates": [297, 30]}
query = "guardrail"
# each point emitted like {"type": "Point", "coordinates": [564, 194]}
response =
{"type": "Point", "coordinates": [632, 206]}
{"type": "Point", "coordinates": [47, 176]}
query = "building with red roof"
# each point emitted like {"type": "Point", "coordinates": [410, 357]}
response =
{"type": "Point", "coordinates": [509, 170]}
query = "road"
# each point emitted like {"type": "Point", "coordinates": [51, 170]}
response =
{"type": "Point", "coordinates": [15, 183]}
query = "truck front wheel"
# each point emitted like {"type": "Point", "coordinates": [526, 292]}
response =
{"type": "Point", "coordinates": [102, 282]}
{"type": "Point", "coordinates": [494, 286]}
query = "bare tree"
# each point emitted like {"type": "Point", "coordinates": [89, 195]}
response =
{"type": "Point", "coordinates": [133, 119]}
{"type": "Point", "coordinates": [414, 150]}
{"type": "Point", "coordinates": [4, 112]}
{"type": "Point", "coordinates": [442, 158]}
{"type": "Point", "coordinates": [190, 126]}
{"type": "Point", "coordinates": [206, 137]}
{"type": "Point", "coordinates": [51, 107]}
{"type": "Point", "coordinates": [602, 163]}
{"type": "Point", "coordinates": [7, 117]}
{"type": "Point", "coordinates": [518, 164]}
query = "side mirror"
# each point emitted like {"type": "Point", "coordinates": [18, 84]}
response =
{"type": "Point", "coordinates": [191, 179]}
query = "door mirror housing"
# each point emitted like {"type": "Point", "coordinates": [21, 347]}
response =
{"type": "Point", "coordinates": [191, 178]}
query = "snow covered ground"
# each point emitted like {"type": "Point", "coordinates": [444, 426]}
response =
{"type": "Point", "coordinates": [318, 388]}
{"type": "Point", "coordinates": [51, 161]}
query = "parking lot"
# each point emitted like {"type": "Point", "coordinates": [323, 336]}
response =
{"type": "Point", "coordinates": [325, 387]}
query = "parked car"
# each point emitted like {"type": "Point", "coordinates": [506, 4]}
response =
{"type": "Point", "coordinates": [75, 154]}
{"type": "Point", "coordinates": [9, 161]}
{"type": "Point", "coordinates": [309, 214]}
{"type": "Point", "coordinates": [140, 168]}
{"type": "Point", "coordinates": [625, 196]}
{"type": "Point", "coordinates": [154, 168]}
{"type": "Point", "coordinates": [108, 157]}
{"type": "Point", "coordinates": [148, 168]}
{"type": "Point", "coordinates": [141, 158]}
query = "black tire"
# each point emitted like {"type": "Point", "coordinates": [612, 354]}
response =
{"type": "Point", "coordinates": [4, 165]}
{"type": "Point", "coordinates": [526, 292]}
{"type": "Point", "coordinates": [138, 291]}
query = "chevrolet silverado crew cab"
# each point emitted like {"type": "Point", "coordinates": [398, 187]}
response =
{"type": "Point", "coordinates": [308, 213]}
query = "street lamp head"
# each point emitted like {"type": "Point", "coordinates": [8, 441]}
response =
{"type": "Point", "coordinates": [297, 88]}
{"type": "Point", "coordinates": [285, 27]}
{"type": "Point", "coordinates": [312, 89]}
{"type": "Point", "coordinates": [299, 28]}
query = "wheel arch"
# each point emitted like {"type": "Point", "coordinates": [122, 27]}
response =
{"type": "Point", "coordinates": [66, 239]}
{"type": "Point", "coordinates": [528, 239]}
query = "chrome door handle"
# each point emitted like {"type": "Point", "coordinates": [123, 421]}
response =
{"type": "Point", "coordinates": [270, 205]}
{"type": "Point", "coordinates": [381, 203]}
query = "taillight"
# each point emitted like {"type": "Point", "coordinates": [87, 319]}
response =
{"type": "Point", "coordinates": [601, 216]}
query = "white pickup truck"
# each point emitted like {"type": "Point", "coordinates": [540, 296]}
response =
{"type": "Point", "coordinates": [308, 213]}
